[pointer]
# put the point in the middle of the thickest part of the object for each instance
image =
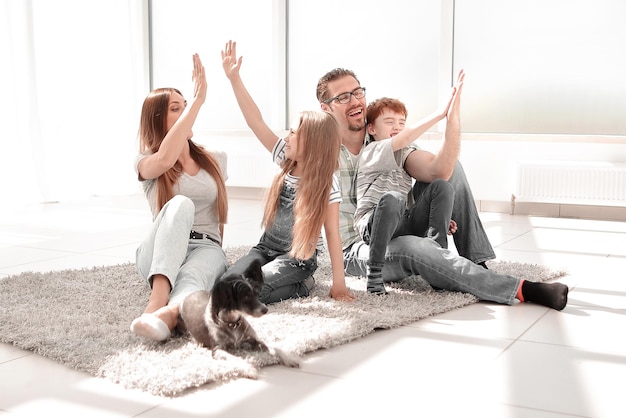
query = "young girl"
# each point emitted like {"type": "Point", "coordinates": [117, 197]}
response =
{"type": "Point", "coordinates": [303, 197]}
{"type": "Point", "coordinates": [184, 185]}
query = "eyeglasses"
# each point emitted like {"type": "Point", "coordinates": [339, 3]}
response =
{"type": "Point", "coordinates": [344, 98]}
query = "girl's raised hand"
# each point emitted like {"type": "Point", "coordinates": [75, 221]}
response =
{"type": "Point", "coordinates": [199, 78]}
{"type": "Point", "coordinates": [230, 62]}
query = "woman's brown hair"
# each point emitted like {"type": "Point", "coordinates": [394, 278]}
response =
{"type": "Point", "coordinates": [152, 131]}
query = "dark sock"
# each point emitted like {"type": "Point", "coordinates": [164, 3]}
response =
{"type": "Point", "coordinates": [552, 295]}
{"type": "Point", "coordinates": [375, 282]}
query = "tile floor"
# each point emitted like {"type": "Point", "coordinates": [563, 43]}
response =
{"type": "Point", "coordinates": [483, 360]}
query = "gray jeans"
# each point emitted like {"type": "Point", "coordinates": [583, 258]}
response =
{"type": "Point", "coordinates": [410, 255]}
{"type": "Point", "coordinates": [188, 264]}
{"type": "Point", "coordinates": [470, 239]}
{"type": "Point", "coordinates": [428, 217]}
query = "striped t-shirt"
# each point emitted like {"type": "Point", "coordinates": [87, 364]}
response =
{"type": "Point", "coordinates": [380, 170]}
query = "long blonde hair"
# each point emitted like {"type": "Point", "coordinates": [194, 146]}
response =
{"type": "Point", "coordinates": [152, 131]}
{"type": "Point", "coordinates": [319, 141]}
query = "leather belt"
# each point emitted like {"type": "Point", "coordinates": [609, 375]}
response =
{"type": "Point", "coordinates": [200, 235]}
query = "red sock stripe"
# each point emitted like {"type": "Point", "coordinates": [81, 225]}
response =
{"type": "Point", "coordinates": [519, 295]}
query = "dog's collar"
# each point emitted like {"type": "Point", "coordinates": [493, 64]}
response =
{"type": "Point", "coordinates": [235, 324]}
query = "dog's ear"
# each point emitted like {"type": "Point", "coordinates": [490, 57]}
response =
{"type": "Point", "coordinates": [254, 272]}
{"type": "Point", "coordinates": [221, 298]}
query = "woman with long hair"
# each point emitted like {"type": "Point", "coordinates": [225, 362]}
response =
{"type": "Point", "coordinates": [303, 198]}
{"type": "Point", "coordinates": [184, 186]}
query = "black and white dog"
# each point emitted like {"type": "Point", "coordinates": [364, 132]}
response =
{"type": "Point", "coordinates": [216, 319]}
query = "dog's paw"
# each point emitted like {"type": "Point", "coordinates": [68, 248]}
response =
{"type": "Point", "coordinates": [286, 359]}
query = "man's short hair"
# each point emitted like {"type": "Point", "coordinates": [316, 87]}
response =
{"type": "Point", "coordinates": [332, 75]}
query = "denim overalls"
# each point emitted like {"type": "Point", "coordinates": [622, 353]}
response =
{"type": "Point", "coordinates": [283, 275]}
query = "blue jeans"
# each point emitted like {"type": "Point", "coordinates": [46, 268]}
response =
{"type": "Point", "coordinates": [410, 255]}
{"type": "Point", "coordinates": [428, 217]}
{"type": "Point", "coordinates": [470, 238]}
{"type": "Point", "coordinates": [189, 264]}
{"type": "Point", "coordinates": [283, 275]}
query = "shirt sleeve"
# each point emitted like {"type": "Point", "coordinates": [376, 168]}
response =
{"type": "Point", "coordinates": [278, 153]}
{"type": "Point", "coordinates": [138, 159]}
{"type": "Point", "coordinates": [335, 190]}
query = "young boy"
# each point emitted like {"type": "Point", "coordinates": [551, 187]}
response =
{"type": "Point", "coordinates": [384, 182]}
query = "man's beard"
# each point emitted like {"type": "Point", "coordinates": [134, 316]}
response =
{"type": "Point", "coordinates": [356, 128]}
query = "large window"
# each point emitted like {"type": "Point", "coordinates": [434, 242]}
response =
{"type": "Point", "coordinates": [534, 67]}
{"type": "Point", "coordinates": [72, 76]}
{"type": "Point", "coordinates": [75, 73]}
{"type": "Point", "coordinates": [399, 50]}
{"type": "Point", "coordinates": [542, 67]}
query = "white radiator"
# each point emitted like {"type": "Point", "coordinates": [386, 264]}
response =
{"type": "Point", "coordinates": [572, 182]}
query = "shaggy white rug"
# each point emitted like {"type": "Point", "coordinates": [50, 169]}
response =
{"type": "Point", "coordinates": [81, 318]}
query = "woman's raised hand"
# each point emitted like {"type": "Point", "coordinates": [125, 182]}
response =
{"type": "Point", "coordinates": [199, 78]}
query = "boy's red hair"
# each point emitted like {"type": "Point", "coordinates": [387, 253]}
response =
{"type": "Point", "coordinates": [376, 108]}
